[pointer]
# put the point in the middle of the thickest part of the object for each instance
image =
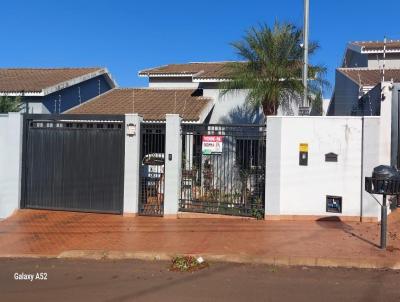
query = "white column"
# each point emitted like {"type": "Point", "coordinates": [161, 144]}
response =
{"type": "Point", "coordinates": [11, 163]}
{"type": "Point", "coordinates": [132, 163]}
{"type": "Point", "coordinates": [173, 164]}
{"type": "Point", "coordinates": [385, 135]}
{"type": "Point", "coordinates": [273, 167]}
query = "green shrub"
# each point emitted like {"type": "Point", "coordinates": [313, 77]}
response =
{"type": "Point", "coordinates": [186, 264]}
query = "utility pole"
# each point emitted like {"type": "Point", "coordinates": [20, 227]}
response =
{"type": "Point", "coordinates": [384, 59]}
{"type": "Point", "coordinates": [305, 48]}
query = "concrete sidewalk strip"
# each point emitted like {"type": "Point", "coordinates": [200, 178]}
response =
{"type": "Point", "coordinates": [237, 258]}
{"type": "Point", "coordinates": [51, 234]}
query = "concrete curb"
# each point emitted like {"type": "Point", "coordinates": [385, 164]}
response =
{"type": "Point", "coordinates": [372, 263]}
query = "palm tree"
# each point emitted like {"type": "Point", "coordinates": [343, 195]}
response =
{"type": "Point", "coordinates": [10, 104]}
{"type": "Point", "coordinates": [316, 105]}
{"type": "Point", "coordinates": [272, 67]}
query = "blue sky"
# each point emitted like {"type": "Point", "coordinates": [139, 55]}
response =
{"type": "Point", "coordinates": [127, 36]}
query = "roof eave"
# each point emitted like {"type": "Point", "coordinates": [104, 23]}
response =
{"type": "Point", "coordinates": [78, 80]}
{"type": "Point", "coordinates": [210, 80]}
{"type": "Point", "coordinates": [166, 75]}
{"type": "Point", "coordinates": [21, 93]}
{"type": "Point", "coordinates": [378, 51]}
{"type": "Point", "coordinates": [363, 50]}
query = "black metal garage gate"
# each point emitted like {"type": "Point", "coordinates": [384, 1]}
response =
{"type": "Point", "coordinates": [223, 169]}
{"type": "Point", "coordinates": [73, 162]}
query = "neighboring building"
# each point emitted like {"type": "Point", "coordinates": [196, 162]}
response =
{"type": "Point", "coordinates": [368, 84]}
{"type": "Point", "coordinates": [361, 71]}
{"type": "Point", "coordinates": [370, 54]}
{"type": "Point", "coordinates": [325, 106]}
{"type": "Point", "coordinates": [54, 90]}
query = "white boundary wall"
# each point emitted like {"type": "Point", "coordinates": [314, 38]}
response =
{"type": "Point", "coordinates": [292, 189]}
{"type": "Point", "coordinates": [132, 164]}
{"type": "Point", "coordinates": [10, 162]}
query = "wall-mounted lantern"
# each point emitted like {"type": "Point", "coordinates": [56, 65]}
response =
{"type": "Point", "coordinates": [131, 130]}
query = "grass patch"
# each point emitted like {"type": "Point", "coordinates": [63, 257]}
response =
{"type": "Point", "coordinates": [187, 264]}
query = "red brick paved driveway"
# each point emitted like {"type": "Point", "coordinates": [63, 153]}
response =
{"type": "Point", "coordinates": [49, 233]}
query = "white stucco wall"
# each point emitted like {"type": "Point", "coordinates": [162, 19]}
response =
{"type": "Point", "coordinates": [38, 108]}
{"type": "Point", "coordinates": [325, 106]}
{"type": "Point", "coordinates": [376, 61]}
{"type": "Point", "coordinates": [10, 162]}
{"type": "Point", "coordinates": [172, 82]}
{"type": "Point", "coordinates": [371, 159]}
{"type": "Point", "coordinates": [386, 124]}
{"type": "Point", "coordinates": [395, 124]}
{"type": "Point", "coordinates": [292, 189]}
{"type": "Point", "coordinates": [232, 108]}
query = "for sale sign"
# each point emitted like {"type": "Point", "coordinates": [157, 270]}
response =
{"type": "Point", "coordinates": [212, 144]}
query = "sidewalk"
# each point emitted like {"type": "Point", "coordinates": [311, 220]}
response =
{"type": "Point", "coordinates": [34, 233]}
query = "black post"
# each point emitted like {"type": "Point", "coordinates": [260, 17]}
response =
{"type": "Point", "coordinates": [383, 222]}
{"type": "Point", "coordinates": [26, 101]}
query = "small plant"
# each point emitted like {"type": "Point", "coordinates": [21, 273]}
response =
{"type": "Point", "coordinates": [258, 214]}
{"type": "Point", "coordinates": [257, 209]}
{"type": "Point", "coordinates": [187, 264]}
{"type": "Point", "coordinates": [273, 269]}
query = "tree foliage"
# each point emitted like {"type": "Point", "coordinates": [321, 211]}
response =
{"type": "Point", "coordinates": [272, 66]}
{"type": "Point", "coordinates": [10, 104]}
{"type": "Point", "coordinates": [316, 105]}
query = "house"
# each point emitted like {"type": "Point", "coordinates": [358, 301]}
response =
{"type": "Point", "coordinates": [364, 66]}
{"type": "Point", "coordinates": [192, 154]}
{"type": "Point", "coordinates": [207, 76]}
{"type": "Point", "coordinates": [191, 89]}
{"type": "Point", "coordinates": [202, 79]}
{"type": "Point", "coordinates": [54, 90]}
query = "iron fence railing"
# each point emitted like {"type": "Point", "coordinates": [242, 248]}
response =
{"type": "Point", "coordinates": [223, 169]}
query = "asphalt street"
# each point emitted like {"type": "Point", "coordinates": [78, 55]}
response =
{"type": "Point", "coordinates": [130, 280]}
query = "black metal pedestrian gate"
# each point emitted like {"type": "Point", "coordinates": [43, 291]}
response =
{"type": "Point", "coordinates": [73, 162]}
{"type": "Point", "coordinates": [152, 177]}
{"type": "Point", "coordinates": [223, 169]}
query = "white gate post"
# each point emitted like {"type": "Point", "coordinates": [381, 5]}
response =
{"type": "Point", "coordinates": [173, 165]}
{"type": "Point", "coordinates": [132, 163]}
{"type": "Point", "coordinates": [10, 162]}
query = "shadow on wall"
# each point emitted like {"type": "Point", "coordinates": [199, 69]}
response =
{"type": "Point", "coordinates": [244, 114]}
{"type": "Point", "coordinates": [289, 105]}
